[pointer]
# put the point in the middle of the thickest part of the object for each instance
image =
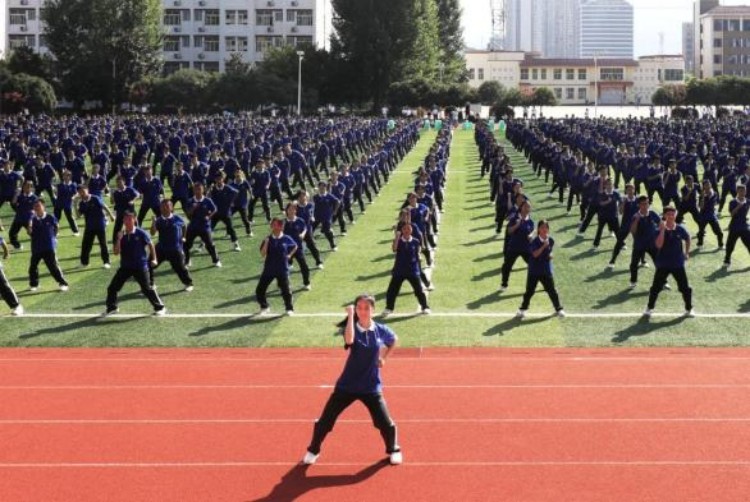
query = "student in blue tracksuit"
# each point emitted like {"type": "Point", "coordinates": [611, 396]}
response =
{"type": "Point", "coordinates": [520, 228]}
{"type": "Point", "coordinates": [337, 188]}
{"type": "Point", "coordinates": [137, 253]}
{"type": "Point", "coordinates": [369, 345]}
{"type": "Point", "coordinates": [540, 270]}
{"type": "Point", "coordinates": [326, 206]}
{"type": "Point", "coordinates": [152, 191]}
{"type": "Point", "coordinates": [65, 192]}
{"type": "Point", "coordinates": [95, 214]}
{"type": "Point", "coordinates": [171, 230]}
{"type": "Point", "coordinates": [43, 230]}
{"type": "Point", "coordinates": [6, 290]}
{"type": "Point", "coordinates": [260, 180]}
{"type": "Point", "coordinates": [689, 196]}
{"type": "Point", "coordinates": [671, 179]}
{"type": "Point", "coordinates": [277, 250]}
{"type": "Point", "coordinates": [707, 211]}
{"type": "Point", "coordinates": [182, 186]}
{"type": "Point", "coordinates": [643, 227]}
{"type": "Point", "coordinates": [738, 227]}
{"type": "Point", "coordinates": [672, 253]}
{"type": "Point", "coordinates": [407, 267]}
{"type": "Point", "coordinates": [609, 203]}
{"type": "Point", "coordinates": [23, 203]}
{"type": "Point", "coordinates": [200, 211]}
{"type": "Point", "coordinates": [305, 210]}
{"type": "Point", "coordinates": [241, 202]}
{"type": "Point", "coordinates": [123, 199]}
{"type": "Point", "coordinates": [224, 196]}
{"type": "Point", "coordinates": [296, 228]}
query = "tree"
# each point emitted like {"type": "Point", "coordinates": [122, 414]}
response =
{"type": "Point", "coordinates": [102, 47]}
{"type": "Point", "coordinates": [424, 59]}
{"type": "Point", "coordinates": [490, 92]}
{"type": "Point", "coordinates": [25, 60]}
{"type": "Point", "coordinates": [543, 96]}
{"type": "Point", "coordinates": [451, 41]}
{"type": "Point", "coordinates": [661, 97]}
{"type": "Point", "coordinates": [26, 92]}
{"type": "Point", "coordinates": [183, 91]}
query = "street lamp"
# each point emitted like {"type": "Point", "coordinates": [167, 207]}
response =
{"type": "Point", "coordinates": [300, 55]}
{"type": "Point", "coordinates": [596, 84]}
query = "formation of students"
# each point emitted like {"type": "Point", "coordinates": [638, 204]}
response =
{"type": "Point", "coordinates": [212, 167]}
{"type": "Point", "coordinates": [706, 163]}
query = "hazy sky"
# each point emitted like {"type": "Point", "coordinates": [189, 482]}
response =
{"type": "Point", "coordinates": [650, 18]}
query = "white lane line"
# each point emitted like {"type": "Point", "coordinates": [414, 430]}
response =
{"type": "Point", "coordinates": [292, 463]}
{"type": "Point", "coordinates": [335, 357]}
{"type": "Point", "coordinates": [389, 387]}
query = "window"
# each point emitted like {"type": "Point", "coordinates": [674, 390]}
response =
{"type": "Point", "coordinates": [186, 15]}
{"type": "Point", "coordinates": [171, 44]}
{"type": "Point", "coordinates": [198, 42]}
{"type": "Point", "coordinates": [734, 25]}
{"type": "Point", "coordinates": [570, 74]}
{"type": "Point", "coordinates": [17, 16]}
{"type": "Point", "coordinates": [534, 74]}
{"type": "Point", "coordinates": [208, 66]}
{"type": "Point", "coordinates": [18, 41]}
{"type": "Point", "coordinates": [582, 93]}
{"type": "Point", "coordinates": [212, 17]}
{"type": "Point", "coordinates": [172, 17]}
{"type": "Point", "coordinates": [480, 74]}
{"type": "Point", "coordinates": [570, 93]}
{"type": "Point", "coordinates": [301, 42]}
{"type": "Point", "coordinates": [717, 58]}
{"type": "Point", "coordinates": [746, 25]}
{"type": "Point", "coordinates": [582, 74]}
{"type": "Point", "coordinates": [558, 92]}
{"type": "Point", "coordinates": [242, 17]}
{"type": "Point", "coordinates": [185, 41]}
{"type": "Point", "coordinates": [278, 16]}
{"type": "Point", "coordinates": [612, 74]}
{"type": "Point", "coordinates": [199, 15]}
{"type": "Point", "coordinates": [472, 74]}
{"type": "Point", "coordinates": [717, 42]}
{"type": "Point", "coordinates": [211, 44]}
{"type": "Point", "coordinates": [42, 41]}
{"type": "Point", "coordinates": [718, 25]}
{"type": "Point", "coordinates": [266, 43]}
{"type": "Point", "coordinates": [557, 75]}
{"type": "Point", "coordinates": [230, 17]}
{"type": "Point", "coordinates": [264, 17]}
{"type": "Point", "coordinates": [236, 44]}
{"type": "Point", "coordinates": [544, 73]}
{"type": "Point", "coordinates": [305, 17]}
{"type": "Point", "coordinates": [524, 73]}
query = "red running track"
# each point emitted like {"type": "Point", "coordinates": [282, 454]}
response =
{"type": "Point", "coordinates": [505, 424]}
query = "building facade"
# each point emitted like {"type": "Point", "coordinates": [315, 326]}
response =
{"type": "Point", "coordinates": [202, 34]}
{"type": "Point", "coordinates": [550, 27]}
{"type": "Point", "coordinates": [606, 29]}
{"type": "Point", "coordinates": [688, 47]}
{"type": "Point", "coordinates": [725, 42]}
{"type": "Point", "coordinates": [700, 7]}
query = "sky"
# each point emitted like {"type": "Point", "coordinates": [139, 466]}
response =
{"type": "Point", "coordinates": [650, 18]}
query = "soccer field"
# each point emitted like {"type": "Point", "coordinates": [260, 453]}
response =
{"type": "Point", "coordinates": [468, 309]}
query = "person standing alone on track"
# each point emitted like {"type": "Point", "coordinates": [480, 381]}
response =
{"type": "Point", "coordinates": [369, 344]}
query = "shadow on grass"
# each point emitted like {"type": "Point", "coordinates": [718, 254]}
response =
{"type": "Point", "coordinates": [240, 322]}
{"type": "Point", "coordinates": [495, 272]}
{"type": "Point", "coordinates": [505, 327]}
{"type": "Point", "coordinates": [491, 298]}
{"type": "Point", "coordinates": [479, 229]}
{"type": "Point", "coordinates": [60, 329]}
{"type": "Point", "coordinates": [244, 300]}
{"type": "Point", "coordinates": [495, 256]}
{"type": "Point", "coordinates": [644, 327]}
{"type": "Point", "coordinates": [385, 257]}
{"type": "Point", "coordinates": [618, 298]}
{"type": "Point", "coordinates": [384, 273]}
{"type": "Point", "coordinates": [722, 273]}
{"type": "Point", "coordinates": [101, 303]}
{"type": "Point", "coordinates": [296, 483]}
{"type": "Point", "coordinates": [486, 240]}
{"type": "Point", "coordinates": [606, 274]}
{"type": "Point", "coordinates": [483, 216]}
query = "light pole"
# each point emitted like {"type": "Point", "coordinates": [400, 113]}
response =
{"type": "Point", "coordinates": [301, 56]}
{"type": "Point", "coordinates": [596, 84]}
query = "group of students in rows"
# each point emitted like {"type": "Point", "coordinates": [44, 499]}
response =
{"type": "Point", "coordinates": [206, 196]}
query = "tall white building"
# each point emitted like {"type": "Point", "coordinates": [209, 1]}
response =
{"type": "Point", "coordinates": [202, 34]}
{"type": "Point", "coordinates": [549, 27]}
{"type": "Point", "coordinates": [700, 7]}
{"type": "Point", "coordinates": [688, 47]}
{"type": "Point", "coordinates": [606, 29]}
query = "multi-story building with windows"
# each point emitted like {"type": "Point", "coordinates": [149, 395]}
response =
{"type": "Point", "coordinates": [606, 29]}
{"type": "Point", "coordinates": [202, 34]}
{"type": "Point", "coordinates": [688, 47]}
{"type": "Point", "coordinates": [724, 46]}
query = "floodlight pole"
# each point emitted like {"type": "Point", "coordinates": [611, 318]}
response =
{"type": "Point", "coordinates": [301, 56]}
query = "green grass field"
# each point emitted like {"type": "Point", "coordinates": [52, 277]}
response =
{"type": "Point", "coordinates": [468, 310]}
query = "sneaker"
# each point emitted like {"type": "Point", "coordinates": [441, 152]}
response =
{"type": "Point", "coordinates": [580, 234]}
{"type": "Point", "coordinates": [76, 234]}
{"type": "Point", "coordinates": [218, 264]}
{"type": "Point", "coordinates": [632, 285]}
{"type": "Point", "coordinates": [503, 288]}
{"type": "Point", "coordinates": [34, 288]}
{"type": "Point", "coordinates": [307, 287]}
{"type": "Point", "coordinates": [721, 247]}
{"type": "Point", "coordinates": [690, 313]}
{"type": "Point", "coordinates": [647, 312]}
{"type": "Point", "coordinates": [344, 232]}
{"type": "Point", "coordinates": [107, 266]}
{"type": "Point", "coordinates": [561, 313]}
{"type": "Point", "coordinates": [161, 312]}
{"type": "Point", "coordinates": [189, 264]}
{"type": "Point", "coordinates": [109, 311]}
{"type": "Point", "coordinates": [610, 266]}
{"type": "Point", "coordinates": [431, 287]}
{"type": "Point", "coordinates": [335, 248]}
{"type": "Point", "coordinates": [396, 458]}
{"type": "Point", "coordinates": [594, 247]}
{"type": "Point", "coordinates": [64, 287]}
{"type": "Point", "coordinates": [645, 265]}
{"type": "Point", "coordinates": [320, 266]}
{"type": "Point", "coordinates": [264, 311]}
{"type": "Point", "coordinates": [426, 311]}
{"type": "Point", "coordinates": [726, 264]}
{"type": "Point", "coordinates": [290, 313]}
{"type": "Point", "coordinates": [189, 288]}
{"type": "Point", "coordinates": [387, 312]}
{"type": "Point", "coordinates": [309, 458]}
{"type": "Point", "coordinates": [520, 314]}
{"type": "Point", "coordinates": [237, 246]}
{"type": "Point", "coordinates": [667, 287]}
{"type": "Point", "coordinates": [18, 311]}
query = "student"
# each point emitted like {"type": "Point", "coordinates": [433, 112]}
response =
{"type": "Point", "coordinates": [66, 191]}
{"type": "Point", "coordinates": [540, 270]}
{"type": "Point", "coordinates": [671, 179]}
{"type": "Point", "coordinates": [123, 199]}
{"type": "Point", "coordinates": [296, 229]}
{"type": "Point", "coordinates": [97, 183]}
{"type": "Point", "coordinates": [137, 253]}
{"type": "Point", "coordinates": [241, 202]}
{"type": "Point", "coordinates": [6, 290]}
{"type": "Point", "coordinates": [10, 180]}
{"type": "Point", "coordinates": [369, 344]}
{"type": "Point", "coordinates": [171, 230]}
{"type": "Point", "coordinates": [277, 250]}
{"type": "Point", "coordinates": [200, 211]}
{"type": "Point", "coordinates": [738, 228]}
{"type": "Point", "coordinates": [224, 196]}
{"type": "Point", "coordinates": [689, 196]}
{"type": "Point", "coordinates": [407, 267]}
{"type": "Point", "coordinates": [338, 189]}
{"type": "Point", "coordinates": [609, 203]}
{"type": "Point", "coordinates": [182, 186]}
{"type": "Point", "coordinates": [628, 208]}
{"type": "Point", "coordinates": [326, 206]}
{"type": "Point", "coordinates": [643, 227]}
{"type": "Point", "coordinates": [305, 210]}
{"type": "Point", "coordinates": [152, 191]}
{"type": "Point", "coordinates": [707, 211]}
{"type": "Point", "coordinates": [95, 214]}
{"type": "Point", "coordinates": [672, 253]}
{"type": "Point", "coordinates": [520, 228]}
{"type": "Point", "coordinates": [260, 180]}
{"type": "Point", "coordinates": [43, 230]}
{"type": "Point", "coordinates": [23, 203]}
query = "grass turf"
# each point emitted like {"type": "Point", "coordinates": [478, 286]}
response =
{"type": "Point", "coordinates": [466, 278]}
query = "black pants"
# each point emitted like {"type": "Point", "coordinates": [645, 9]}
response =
{"type": "Point", "coordinates": [338, 402]}
{"type": "Point", "coordinates": [141, 277]}
{"type": "Point", "coordinates": [143, 212]}
{"type": "Point", "coordinates": [7, 292]}
{"type": "Point", "coordinates": [716, 229]}
{"type": "Point", "coordinates": [548, 282]}
{"type": "Point", "coordinates": [227, 221]}
{"type": "Point", "coordinates": [282, 280]}
{"type": "Point", "coordinates": [205, 236]}
{"type": "Point", "coordinates": [692, 210]}
{"type": "Point", "coordinates": [734, 236]}
{"type": "Point", "coordinates": [636, 258]}
{"type": "Point", "coordinates": [177, 261]}
{"type": "Point", "coordinates": [303, 267]}
{"type": "Point", "coordinates": [622, 236]}
{"type": "Point", "coordinates": [591, 211]}
{"type": "Point", "coordinates": [68, 216]}
{"type": "Point", "coordinates": [119, 216]}
{"type": "Point", "coordinates": [510, 260]}
{"type": "Point", "coordinates": [244, 218]}
{"type": "Point", "coordinates": [660, 279]}
{"type": "Point", "coordinates": [50, 260]}
{"type": "Point", "coordinates": [610, 223]}
{"type": "Point", "coordinates": [325, 227]}
{"type": "Point", "coordinates": [89, 234]}
{"type": "Point", "coordinates": [395, 287]}
{"type": "Point", "coordinates": [651, 191]}
{"type": "Point", "coordinates": [310, 243]}
{"type": "Point", "coordinates": [266, 209]}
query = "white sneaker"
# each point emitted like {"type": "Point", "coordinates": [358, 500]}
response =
{"type": "Point", "coordinates": [594, 248]}
{"type": "Point", "coordinates": [610, 266]}
{"type": "Point", "coordinates": [64, 287]}
{"type": "Point", "coordinates": [561, 313]}
{"type": "Point", "coordinates": [218, 264]}
{"type": "Point", "coordinates": [580, 234]}
{"type": "Point", "coordinates": [307, 287]}
{"type": "Point", "coordinates": [18, 311]}
{"type": "Point", "coordinates": [264, 311]}
{"type": "Point", "coordinates": [189, 288]}
{"type": "Point", "coordinates": [426, 311]}
{"type": "Point", "coordinates": [34, 288]}
{"type": "Point", "coordinates": [520, 314]}
{"type": "Point", "coordinates": [237, 247]}
{"type": "Point", "coordinates": [396, 458]}
{"type": "Point", "coordinates": [648, 312]}
{"type": "Point", "coordinates": [107, 266]}
{"type": "Point", "coordinates": [431, 287]}
{"type": "Point", "coordinates": [76, 234]}
{"type": "Point", "coordinates": [667, 287]}
{"type": "Point", "coordinates": [290, 313]}
{"type": "Point", "coordinates": [320, 266]}
{"type": "Point", "coordinates": [503, 288]}
{"type": "Point", "coordinates": [726, 265]}
{"type": "Point", "coordinates": [109, 312]}
{"type": "Point", "coordinates": [646, 265]}
{"type": "Point", "coordinates": [387, 312]}
{"type": "Point", "coordinates": [335, 249]}
{"type": "Point", "coordinates": [309, 458]}
{"type": "Point", "coordinates": [161, 312]}
{"type": "Point", "coordinates": [690, 313]}
{"type": "Point", "coordinates": [632, 285]}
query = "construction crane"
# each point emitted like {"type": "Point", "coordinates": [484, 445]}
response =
{"type": "Point", "coordinates": [497, 8]}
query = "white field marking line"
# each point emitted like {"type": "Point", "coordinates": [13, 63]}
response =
{"type": "Point", "coordinates": [390, 387]}
{"type": "Point", "coordinates": [235, 421]}
{"type": "Point", "coordinates": [407, 464]}
{"type": "Point", "coordinates": [479, 315]}
{"type": "Point", "coordinates": [678, 358]}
